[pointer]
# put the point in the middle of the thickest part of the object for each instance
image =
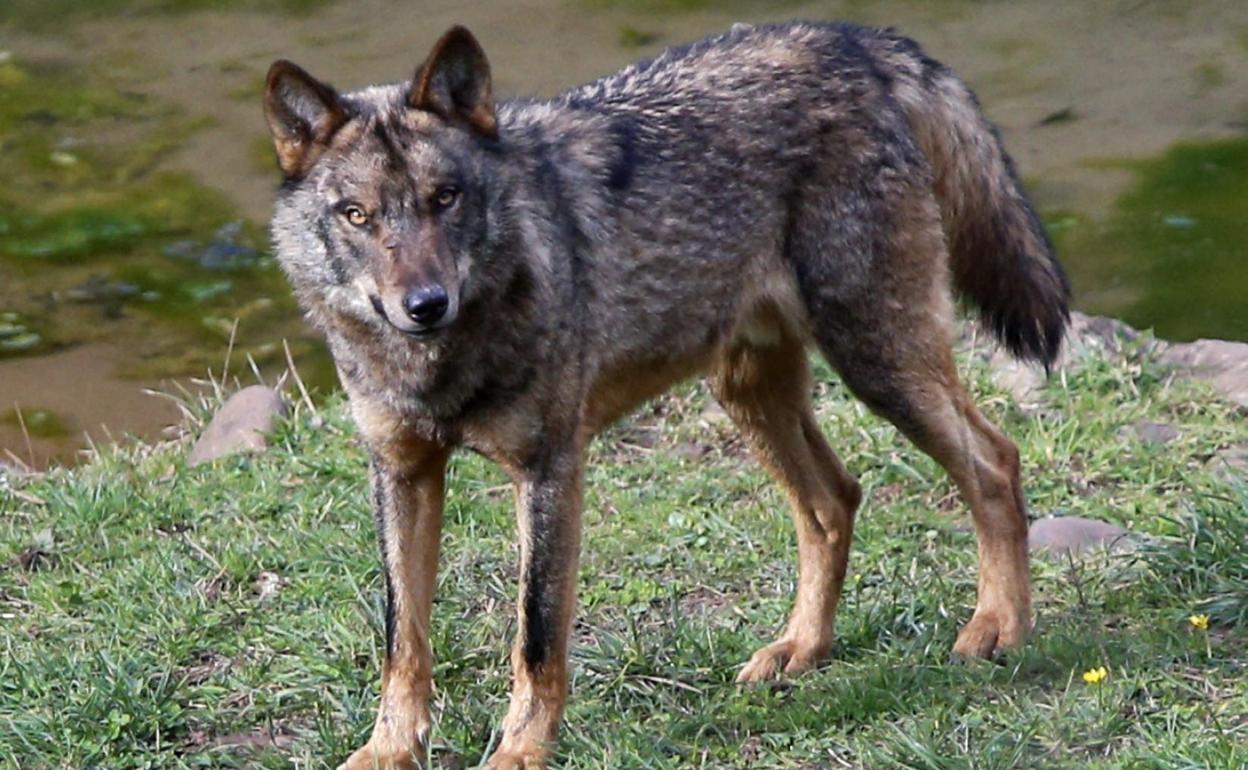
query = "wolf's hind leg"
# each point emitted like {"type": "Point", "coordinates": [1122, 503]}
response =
{"type": "Point", "coordinates": [766, 391]}
{"type": "Point", "coordinates": [932, 409]}
{"type": "Point", "coordinates": [891, 344]}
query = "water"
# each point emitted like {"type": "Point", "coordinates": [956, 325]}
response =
{"type": "Point", "coordinates": [1173, 253]}
{"type": "Point", "coordinates": [137, 174]}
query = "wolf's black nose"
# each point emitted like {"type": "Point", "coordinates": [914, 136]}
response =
{"type": "Point", "coordinates": [426, 305]}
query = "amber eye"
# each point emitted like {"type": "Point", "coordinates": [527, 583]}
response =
{"type": "Point", "coordinates": [446, 197]}
{"type": "Point", "coordinates": [355, 215]}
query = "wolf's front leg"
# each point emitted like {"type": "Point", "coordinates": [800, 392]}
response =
{"type": "Point", "coordinates": [407, 483]}
{"type": "Point", "coordinates": [548, 503]}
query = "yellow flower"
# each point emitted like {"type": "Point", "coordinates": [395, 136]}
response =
{"type": "Point", "coordinates": [1094, 676]}
{"type": "Point", "coordinates": [1199, 621]}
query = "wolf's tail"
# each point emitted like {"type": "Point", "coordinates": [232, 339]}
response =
{"type": "Point", "coordinates": [1002, 259]}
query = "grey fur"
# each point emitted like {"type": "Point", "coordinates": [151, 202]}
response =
{"type": "Point", "coordinates": [649, 195]}
{"type": "Point", "coordinates": [824, 182]}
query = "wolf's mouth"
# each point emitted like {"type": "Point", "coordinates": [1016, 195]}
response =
{"type": "Point", "coordinates": [421, 334]}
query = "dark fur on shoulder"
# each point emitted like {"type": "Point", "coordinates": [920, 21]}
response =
{"type": "Point", "coordinates": [512, 277]}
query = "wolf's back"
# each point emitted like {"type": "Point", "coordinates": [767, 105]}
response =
{"type": "Point", "coordinates": [1001, 257]}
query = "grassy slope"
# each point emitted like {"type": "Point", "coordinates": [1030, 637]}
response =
{"type": "Point", "coordinates": [136, 636]}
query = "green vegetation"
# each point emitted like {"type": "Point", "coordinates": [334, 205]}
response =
{"type": "Point", "coordinates": [95, 244]}
{"type": "Point", "coordinates": [1209, 75]}
{"type": "Point", "coordinates": [632, 37]}
{"type": "Point", "coordinates": [141, 629]}
{"type": "Point", "coordinates": [51, 15]}
{"type": "Point", "coordinates": [42, 423]}
{"type": "Point", "coordinates": [1176, 240]}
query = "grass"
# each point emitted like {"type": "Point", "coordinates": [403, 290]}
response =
{"type": "Point", "coordinates": [159, 616]}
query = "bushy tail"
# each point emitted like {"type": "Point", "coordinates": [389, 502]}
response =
{"type": "Point", "coordinates": [1001, 257]}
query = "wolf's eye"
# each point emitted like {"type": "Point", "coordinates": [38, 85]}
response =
{"type": "Point", "coordinates": [355, 215]}
{"type": "Point", "coordinates": [445, 198]}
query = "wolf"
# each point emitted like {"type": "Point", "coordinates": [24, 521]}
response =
{"type": "Point", "coordinates": [511, 277]}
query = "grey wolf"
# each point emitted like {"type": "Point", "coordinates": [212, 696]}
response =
{"type": "Point", "coordinates": [511, 277]}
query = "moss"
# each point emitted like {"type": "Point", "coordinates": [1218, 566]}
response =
{"type": "Point", "coordinates": [251, 91]}
{"type": "Point", "coordinates": [632, 37]}
{"type": "Point", "coordinates": [1172, 252]}
{"type": "Point", "coordinates": [22, 334]}
{"type": "Point", "coordinates": [262, 154]}
{"type": "Point", "coordinates": [1208, 76]}
{"type": "Point", "coordinates": [39, 423]}
{"type": "Point", "coordinates": [112, 248]}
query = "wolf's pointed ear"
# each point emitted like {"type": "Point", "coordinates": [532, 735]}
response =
{"type": "Point", "coordinates": [454, 82]}
{"type": "Point", "coordinates": [303, 115]}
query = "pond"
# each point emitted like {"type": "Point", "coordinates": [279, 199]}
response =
{"type": "Point", "coordinates": [136, 173]}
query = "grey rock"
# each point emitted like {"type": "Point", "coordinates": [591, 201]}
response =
{"type": "Point", "coordinates": [690, 450]}
{"type": "Point", "coordinates": [1155, 433]}
{"type": "Point", "coordinates": [8, 471]}
{"type": "Point", "coordinates": [268, 584]}
{"type": "Point", "coordinates": [241, 424]}
{"type": "Point", "coordinates": [715, 415]}
{"type": "Point", "coordinates": [1221, 363]}
{"type": "Point", "coordinates": [1094, 335]}
{"type": "Point", "coordinates": [1023, 380]}
{"type": "Point", "coordinates": [1231, 463]}
{"type": "Point", "coordinates": [223, 252]}
{"type": "Point", "coordinates": [1087, 336]}
{"type": "Point", "coordinates": [1062, 535]}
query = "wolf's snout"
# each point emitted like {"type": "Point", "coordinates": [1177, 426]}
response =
{"type": "Point", "coordinates": [426, 305]}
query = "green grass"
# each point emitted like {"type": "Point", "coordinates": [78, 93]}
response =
{"type": "Point", "coordinates": [133, 635]}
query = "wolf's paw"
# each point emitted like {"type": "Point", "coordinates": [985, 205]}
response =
{"type": "Point", "coordinates": [369, 758]}
{"type": "Point", "coordinates": [517, 759]}
{"type": "Point", "coordinates": [990, 633]}
{"type": "Point", "coordinates": [783, 656]}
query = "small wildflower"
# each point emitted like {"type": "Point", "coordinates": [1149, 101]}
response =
{"type": "Point", "coordinates": [1094, 676]}
{"type": "Point", "coordinates": [1199, 621]}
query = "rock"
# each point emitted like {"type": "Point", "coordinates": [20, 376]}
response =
{"type": "Point", "coordinates": [715, 415]}
{"type": "Point", "coordinates": [1231, 463]}
{"type": "Point", "coordinates": [1096, 335]}
{"type": "Point", "coordinates": [1155, 433]}
{"type": "Point", "coordinates": [1062, 535]}
{"type": "Point", "coordinates": [1058, 117]}
{"type": "Point", "coordinates": [1087, 336]}
{"type": "Point", "coordinates": [98, 290]}
{"type": "Point", "coordinates": [223, 252]}
{"type": "Point", "coordinates": [268, 584]}
{"type": "Point", "coordinates": [690, 450]}
{"type": "Point", "coordinates": [1021, 379]}
{"type": "Point", "coordinates": [1221, 363]}
{"type": "Point", "coordinates": [240, 425]}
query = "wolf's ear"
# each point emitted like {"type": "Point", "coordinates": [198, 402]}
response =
{"type": "Point", "coordinates": [454, 82]}
{"type": "Point", "coordinates": [303, 115]}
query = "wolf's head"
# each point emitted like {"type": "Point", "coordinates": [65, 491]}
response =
{"type": "Point", "coordinates": [390, 193]}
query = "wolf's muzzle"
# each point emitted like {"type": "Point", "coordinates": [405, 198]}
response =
{"type": "Point", "coordinates": [426, 305]}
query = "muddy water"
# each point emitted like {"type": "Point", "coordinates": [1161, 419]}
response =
{"type": "Point", "coordinates": [135, 176]}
